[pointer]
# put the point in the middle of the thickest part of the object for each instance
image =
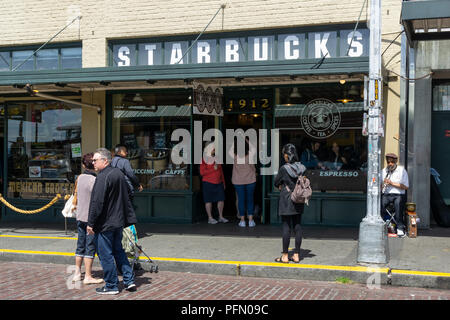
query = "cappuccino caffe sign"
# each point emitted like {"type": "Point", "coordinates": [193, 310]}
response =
{"type": "Point", "coordinates": [320, 118]}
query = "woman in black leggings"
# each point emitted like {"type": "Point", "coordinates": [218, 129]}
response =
{"type": "Point", "coordinates": [289, 211]}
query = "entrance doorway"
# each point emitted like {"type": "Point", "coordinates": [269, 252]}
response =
{"type": "Point", "coordinates": [244, 121]}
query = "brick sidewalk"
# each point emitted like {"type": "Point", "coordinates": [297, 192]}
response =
{"type": "Point", "coordinates": [37, 281]}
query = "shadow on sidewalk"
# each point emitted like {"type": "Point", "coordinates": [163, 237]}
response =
{"type": "Point", "coordinates": [230, 229]}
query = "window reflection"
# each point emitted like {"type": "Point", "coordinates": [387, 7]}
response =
{"type": "Point", "coordinates": [144, 122]}
{"type": "Point", "coordinates": [337, 160]}
{"type": "Point", "coordinates": [44, 149]}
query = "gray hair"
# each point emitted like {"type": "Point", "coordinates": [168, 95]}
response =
{"type": "Point", "coordinates": [104, 153]}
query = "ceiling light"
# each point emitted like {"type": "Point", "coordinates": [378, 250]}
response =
{"type": "Point", "coordinates": [342, 81]}
{"type": "Point", "coordinates": [295, 93]}
{"type": "Point", "coordinates": [138, 98]}
{"type": "Point", "coordinates": [345, 100]}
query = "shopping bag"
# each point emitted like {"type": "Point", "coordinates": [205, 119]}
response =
{"type": "Point", "coordinates": [70, 209]}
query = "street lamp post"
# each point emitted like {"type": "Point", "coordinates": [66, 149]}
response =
{"type": "Point", "coordinates": [373, 241]}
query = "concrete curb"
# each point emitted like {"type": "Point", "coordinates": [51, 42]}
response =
{"type": "Point", "coordinates": [363, 275]}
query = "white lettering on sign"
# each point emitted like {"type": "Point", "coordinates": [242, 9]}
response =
{"type": "Point", "coordinates": [321, 45]}
{"type": "Point", "coordinates": [289, 51]}
{"type": "Point", "coordinates": [264, 47]}
{"type": "Point", "coordinates": [231, 51]}
{"type": "Point", "coordinates": [203, 52]}
{"type": "Point", "coordinates": [356, 50]}
{"type": "Point", "coordinates": [339, 174]}
{"type": "Point", "coordinates": [123, 55]}
{"type": "Point", "coordinates": [150, 50]}
{"type": "Point", "coordinates": [176, 54]}
{"type": "Point", "coordinates": [261, 49]}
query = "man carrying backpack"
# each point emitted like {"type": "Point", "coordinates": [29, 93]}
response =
{"type": "Point", "coordinates": [289, 211]}
{"type": "Point", "coordinates": [120, 161]}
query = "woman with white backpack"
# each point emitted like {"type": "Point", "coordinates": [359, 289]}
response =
{"type": "Point", "coordinates": [289, 211]}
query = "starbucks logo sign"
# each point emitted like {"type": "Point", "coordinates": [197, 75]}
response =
{"type": "Point", "coordinates": [320, 118]}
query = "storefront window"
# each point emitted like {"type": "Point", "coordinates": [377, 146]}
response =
{"type": "Point", "coordinates": [70, 58]}
{"type": "Point", "coordinates": [44, 149]}
{"type": "Point", "coordinates": [144, 122]}
{"type": "Point", "coordinates": [5, 61]}
{"type": "Point", "coordinates": [324, 122]}
{"type": "Point", "coordinates": [20, 57]}
{"type": "Point", "coordinates": [441, 97]}
{"type": "Point", "coordinates": [47, 59]}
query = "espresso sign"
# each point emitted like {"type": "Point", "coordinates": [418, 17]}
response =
{"type": "Point", "coordinates": [337, 180]}
{"type": "Point", "coordinates": [290, 45]}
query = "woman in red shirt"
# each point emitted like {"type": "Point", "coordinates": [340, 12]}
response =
{"type": "Point", "coordinates": [213, 184]}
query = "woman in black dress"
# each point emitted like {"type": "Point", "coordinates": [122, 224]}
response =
{"type": "Point", "coordinates": [289, 211]}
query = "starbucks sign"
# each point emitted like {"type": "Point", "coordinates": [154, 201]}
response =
{"type": "Point", "coordinates": [320, 118]}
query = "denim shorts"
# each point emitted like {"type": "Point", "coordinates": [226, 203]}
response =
{"type": "Point", "coordinates": [85, 243]}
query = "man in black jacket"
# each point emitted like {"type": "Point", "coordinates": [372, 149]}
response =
{"type": "Point", "coordinates": [110, 210]}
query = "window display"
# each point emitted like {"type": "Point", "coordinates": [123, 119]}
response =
{"type": "Point", "coordinates": [44, 149]}
{"type": "Point", "coordinates": [144, 122]}
{"type": "Point", "coordinates": [325, 124]}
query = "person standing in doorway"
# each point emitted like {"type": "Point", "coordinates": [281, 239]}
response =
{"type": "Point", "coordinates": [85, 251]}
{"type": "Point", "coordinates": [244, 181]}
{"type": "Point", "coordinates": [213, 184]}
{"type": "Point", "coordinates": [110, 210]}
{"type": "Point", "coordinates": [395, 184]}
{"type": "Point", "coordinates": [289, 211]}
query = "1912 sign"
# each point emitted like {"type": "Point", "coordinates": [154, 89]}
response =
{"type": "Point", "coordinates": [248, 104]}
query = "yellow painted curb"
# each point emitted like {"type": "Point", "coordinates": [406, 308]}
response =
{"type": "Point", "coordinates": [421, 273]}
{"type": "Point", "coordinates": [53, 253]}
{"type": "Point", "coordinates": [255, 263]}
{"type": "Point", "coordinates": [37, 237]}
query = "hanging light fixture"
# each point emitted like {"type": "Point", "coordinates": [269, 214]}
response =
{"type": "Point", "coordinates": [138, 98]}
{"type": "Point", "coordinates": [295, 93]}
{"type": "Point", "coordinates": [353, 91]}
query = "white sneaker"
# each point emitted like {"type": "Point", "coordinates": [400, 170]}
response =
{"type": "Point", "coordinates": [223, 220]}
{"type": "Point", "coordinates": [242, 223]}
{"type": "Point", "coordinates": [400, 233]}
{"type": "Point", "coordinates": [251, 223]}
{"type": "Point", "coordinates": [212, 221]}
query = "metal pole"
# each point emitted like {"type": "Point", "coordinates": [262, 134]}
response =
{"type": "Point", "coordinates": [373, 241]}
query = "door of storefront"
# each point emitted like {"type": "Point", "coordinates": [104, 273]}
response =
{"type": "Point", "coordinates": [440, 136]}
{"type": "Point", "coordinates": [244, 121]}
{"type": "Point", "coordinates": [2, 148]}
{"type": "Point", "coordinates": [440, 150]}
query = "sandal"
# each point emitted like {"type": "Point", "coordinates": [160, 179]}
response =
{"type": "Point", "coordinates": [281, 260]}
{"type": "Point", "coordinates": [293, 260]}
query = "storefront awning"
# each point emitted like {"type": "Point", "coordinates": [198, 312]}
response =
{"type": "Point", "coordinates": [167, 76]}
{"type": "Point", "coordinates": [426, 20]}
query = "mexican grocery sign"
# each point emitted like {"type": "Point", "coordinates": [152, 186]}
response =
{"type": "Point", "coordinates": [288, 45]}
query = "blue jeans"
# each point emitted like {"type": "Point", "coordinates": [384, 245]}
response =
{"type": "Point", "coordinates": [85, 242]}
{"type": "Point", "coordinates": [111, 253]}
{"type": "Point", "coordinates": [245, 198]}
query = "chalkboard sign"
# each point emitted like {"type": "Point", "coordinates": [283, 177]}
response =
{"type": "Point", "coordinates": [129, 140]}
{"type": "Point", "coordinates": [160, 140]}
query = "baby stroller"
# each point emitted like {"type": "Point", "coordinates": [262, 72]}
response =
{"type": "Point", "coordinates": [134, 250]}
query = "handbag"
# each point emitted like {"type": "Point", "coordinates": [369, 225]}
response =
{"type": "Point", "coordinates": [70, 208]}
